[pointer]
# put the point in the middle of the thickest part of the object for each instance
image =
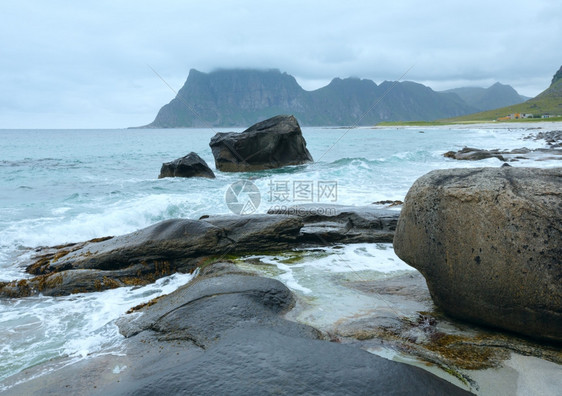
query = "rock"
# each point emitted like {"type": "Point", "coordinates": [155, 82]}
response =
{"type": "Point", "coordinates": [153, 252]}
{"type": "Point", "coordinates": [472, 154]}
{"type": "Point", "coordinates": [273, 143]}
{"type": "Point", "coordinates": [553, 139]}
{"type": "Point", "coordinates": [489, 242]}
{"type": "Point", "coordinates": [329, 223]}
{"type": "Point", "coordinates": [389, 203]}
{"type": "Point", "coordinates": [192, 165]}
{"type": "Point", "coordinates": [226, 334]}
{"type": "Point", "coordinates": [203, 310]}
{"type": "Point", "coordinates": [183, 245]}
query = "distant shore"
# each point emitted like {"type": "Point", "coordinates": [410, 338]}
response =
{"type": "Point", "coordinates": [538, 124]}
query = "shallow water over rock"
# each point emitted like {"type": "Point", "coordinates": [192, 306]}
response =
{"type": "Point", "coordinates": [364, 295]}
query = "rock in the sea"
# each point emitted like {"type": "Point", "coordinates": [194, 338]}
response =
{"type": "Point", "coordinates": [192, 165]}
{"type": "Point", "coordinates": [473, 154]}
{"type": "Point", "coordinates": [489, 243]}
{"type": "Point", "coordinates": [273, 143]}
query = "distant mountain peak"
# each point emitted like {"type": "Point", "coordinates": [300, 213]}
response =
{"type": "Point", "coordinates": [242, 97]}
{"type": "Point", "coordinates": [482, 99]}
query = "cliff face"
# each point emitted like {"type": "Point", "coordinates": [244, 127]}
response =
{"type": "Point", "coordinates": [230, 98]}
{"type": "Point", "coordinates": [244, 97]}
{"type": "Point", "coordinates": [557, 76]}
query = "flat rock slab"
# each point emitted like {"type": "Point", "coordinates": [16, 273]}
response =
{"type": "Point", "coordinates": [474, 154]}
{"type": "Point", "coordinates": [225, 334]}
{"type": "Point", "coordinates": [326, 223]}
{"type": "Point", "coordinates": [148, 254]}
{"type": "Point", "coordinates": [182, 245]}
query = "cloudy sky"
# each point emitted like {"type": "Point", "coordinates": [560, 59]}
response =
{"type": "Point", "coordinates": [85, 64]}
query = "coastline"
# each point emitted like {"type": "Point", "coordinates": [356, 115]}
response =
{"type": "Point", "coordinates": [530, 125]}
{"type": "Point", "coordinates": [352, 326]}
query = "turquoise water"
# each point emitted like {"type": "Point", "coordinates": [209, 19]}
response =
{"type": "Point", "coordinates": [59, 186]}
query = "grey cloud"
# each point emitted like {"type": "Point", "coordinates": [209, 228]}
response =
{"type": "Point", "coordinates": [80, 60]}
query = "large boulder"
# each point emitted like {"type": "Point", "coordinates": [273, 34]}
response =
{"type": "Point", "coordinates": [192, 165]}
{"type": "Point", "coordinates": [273, 143]}
{"type": "Point", "coordinates": [489, 243]}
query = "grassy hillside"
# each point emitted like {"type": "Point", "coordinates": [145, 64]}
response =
{"type": "Point", "coordinates": [548, 102]}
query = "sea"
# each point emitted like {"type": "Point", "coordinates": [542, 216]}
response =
{"type": "Point", "coordinates": [63, 186]}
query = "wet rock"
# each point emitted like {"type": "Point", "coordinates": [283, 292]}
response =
{"type": "Point", "coordinates": [226, 334]}
{"type": "Point", "coordinates": [553, 139]}
{"type": "Point", "coordinates": [273, 143]}
{"type": "Point", "coordinates": [406, 320]}
{"type": "Point", "coordinates": [192, 165]}
{"type": "Point", "coordinates": [473, 154]}
{"type": "Point", "coordinates": [203, 310]}
{"type": "Point", "coordinates": [183, 245]}
{"type": "Point", "coordinates": [328, 223]}
{"type": "Point", "coordinates": [488, 242]}
{"type": "Point", "coordinates": [148, 254]}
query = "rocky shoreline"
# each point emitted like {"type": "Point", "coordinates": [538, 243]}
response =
{"type": "Point", "coordinates": [182, 245]}
{"type": "Point", "coordinates": [487, 243]}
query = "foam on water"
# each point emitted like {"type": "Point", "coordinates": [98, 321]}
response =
{"type": "Point", "coordinates": [320, 275]}
{"type": "Point", "coordinates": [37, 329]}
{"type": "Point", "coordinates": [354, 259]}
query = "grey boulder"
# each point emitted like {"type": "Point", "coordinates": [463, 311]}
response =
{"type": "Point", "coordinates": [273, 143]}
{"type": "Point", "coordinates": [489, 243]}
{"type": "Point", "coordinates": [192, 165]}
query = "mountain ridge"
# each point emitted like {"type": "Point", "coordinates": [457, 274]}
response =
{"type": "Point", "coordinates": [241, 97]}
{"type": "Point", "coordinates": [495, 96]}
{"type": "Point", "coordinates": [548, 102]}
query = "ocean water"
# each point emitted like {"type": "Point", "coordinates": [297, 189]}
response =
{"type": "Point", "coordinates": [61, 186]}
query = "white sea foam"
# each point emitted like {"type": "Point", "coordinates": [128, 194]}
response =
{"type": "Point", "coordinates": [354, 259]}
{"type": "Point", "coordinates": [37, 329]}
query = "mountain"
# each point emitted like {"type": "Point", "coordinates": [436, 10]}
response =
{"type": "Point", "coordinates": [548, 102]}
{"type": "Point", "coordinates": [498, 95]}
{"type": "Point", "coordinates": [244, 97]}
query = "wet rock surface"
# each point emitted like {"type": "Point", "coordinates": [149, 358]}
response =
{"type": "Point", "coordinates": [153, 252]}
{"type": "Point", "coordinates": [474, 154]}
{"type": "Point", "coordinates": [553, 139]}
{"type": "Point", "coordinates": [324, 224]}
{"type": "Point", "coordinates": [489, 242]}
{"type": "Point", "coordinates": [409, 323]}
{"type": "Point", "coordinates": [273, 143]}
{"type": "Point", "coordinates": [192, 165]}
{"type": "Point", "coordinates": [182, 245]}
{"type": "Point", "coordinates": [226, 334]}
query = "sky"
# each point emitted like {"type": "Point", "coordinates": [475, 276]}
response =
{"type": "Point", "coordinates": [87, 64]}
